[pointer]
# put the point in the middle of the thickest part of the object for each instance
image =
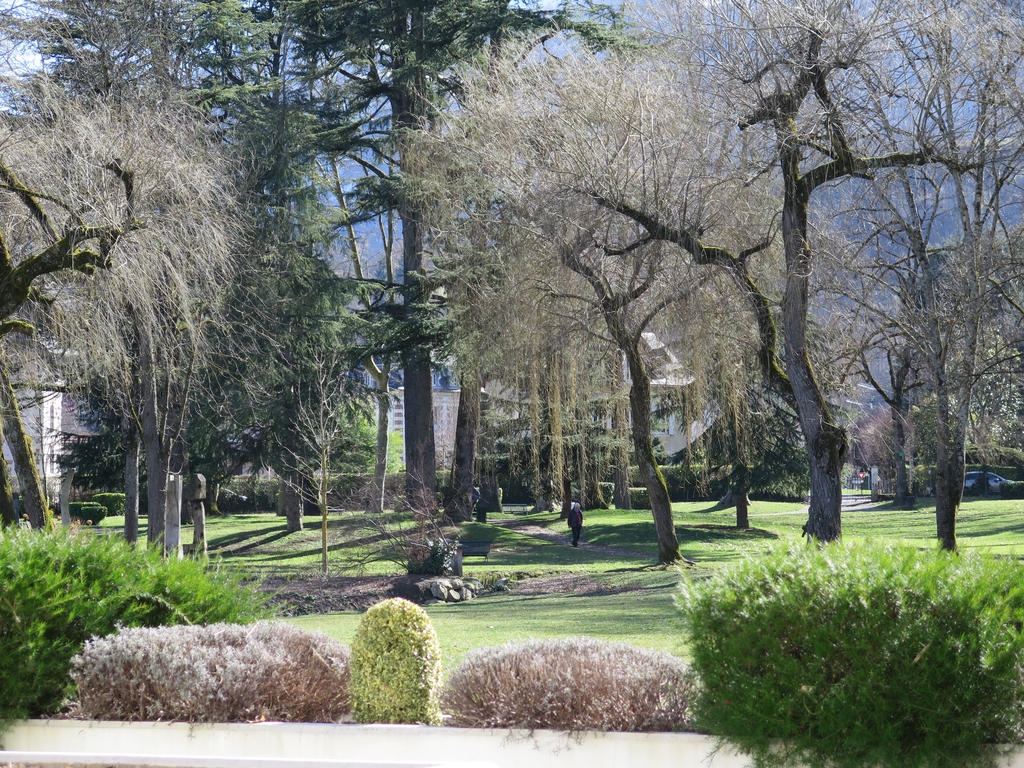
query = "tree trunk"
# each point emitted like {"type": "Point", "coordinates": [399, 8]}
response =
{"type": "Point", "coordinates": [213, 498]}
{"type": "Point", "coordinates": [7, 514]}
{"type": "Point", "coordinates": [33, 496]}
{"type": "Point", "coordinates": [904, 497]}
{"type": "Point", "coordinates": [643, 447]}
{"type": "Point", "coordinates": [321, 497]}
{"type": "Point", "coordinates": [420, 464]}
{"type": "Point", "coordinates": [131, 481]}
{"type": "Point", "coordinates": [420, 480]}
{"type": "Point", "coordinates": [566, 491]}
{"type": "Point", "coordinates": [380, 459]}
{"type": "Point", "coordinates": [949, 471]}
{"type": "Point", "coordinates": [158, 462]}
{"type": "Point", "coordinates": [199, 545]}
{"type": "Point", "coordinates": [467, 424]}
{"type": "Point", "coordinates": [620, 426]}
{"type": "Point", "coordinates": [537, 484]}
{"type": "Point", "coordinates": [65, 498]}
{"type": "Point", "coordinates": [490, 490]}
{"type": "Point", "coordinates": [558, 457]}
{"type": "Point", "coordinates": [592, 462]}
{"type": "Point", "coordinates": [826, 440]}
{"type": "Point", "coordinates": [740, 482]}
{"type": "Point", "coordinates": [292, 505]}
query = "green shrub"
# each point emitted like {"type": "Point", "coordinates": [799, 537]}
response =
{"type": "Point", "coordinates": [87, 512]}
{"type": "Point", "coordinates": [114, 503]}
{"type": "Point", "coordinates": [1010, 473]}
{"type": "Point", "coordinates": [850, 657]}
{"type": "Point", "coordinates": [247, 494]}
{"type": "Point", "coordinates": [923, 480]}
{"type": "Point", "coordinates": [57, 590]}
{"type": "Point", "coordinates": [1012, 490]}
{"type": "Point", "coordinates": [639, 498]}
{"type": "Point", "coordinates": [395, 666]}
{"type": "Point", "coordinates": [689, 483]}
{"type": "Point", "coordinates": [434, 558]}
{"type": "Point", "coordinates": [607, 491]}
{"type": "Point", "coordinates": [571, 684]}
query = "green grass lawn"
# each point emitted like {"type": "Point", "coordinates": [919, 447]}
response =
{"type": "Point", "coordinates": [645, 616]}
{"type": "Point", "coordinates": [259, 543]}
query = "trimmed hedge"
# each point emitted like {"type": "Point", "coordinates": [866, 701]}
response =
{"type": "Point", "coordinates": [1012, 490]}
{"type": "Point", "coordinates": [114, 503]}
{"type": "Point", "coordinates": [571, 684]}
{"type": "Point", "coordinates": [57, 590]}
{"type": "Point", "coordinates": [395, 665]}
{"type": "Point", "coordinates": [924, 475]}
{"type": "Point", "coordinates": [856, 656]}
{"type": "Point", "coordinates": [87, 512]}
{"type": "Point", "coordinates": [639, 498]}
{"type": "Point", "coordinates": [220, 673]}
{"type": "Point", "coordinates": [245, 494]}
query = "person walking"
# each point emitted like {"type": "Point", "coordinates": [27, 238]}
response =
{"type": "Point", "coordinates": [576, 522]}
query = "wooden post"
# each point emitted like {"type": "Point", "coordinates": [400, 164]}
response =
{"type": "Point", "coordinates": [65, 496]}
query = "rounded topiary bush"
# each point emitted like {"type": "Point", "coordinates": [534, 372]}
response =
{"type": "Point", "coordinates": [57, 590]}
{"type": "Point", "coordinates": [852, 656]}
{"type": "Point", "coordinates": [87, 512]}
{"type": "Point", "coordinates": [571, 684]}
{"type": "Point", "coordinates": [114, 503]}
{"type": "Point", "coordinates": [396, 665]}
{"type": "Point", "coordinates": [220, 673]}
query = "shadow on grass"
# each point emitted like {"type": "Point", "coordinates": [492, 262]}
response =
{"type": "Point", "coordinates": [640, 537]}
{"type": "Point", "coordinates": [717, 533]}
{"type": "Point", "coordinates": [715, 507]}
{"type": "Point", "coordinates": [226, 545]}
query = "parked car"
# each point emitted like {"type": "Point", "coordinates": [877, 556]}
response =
{"type": "Point", "coordinates": [972, 482]}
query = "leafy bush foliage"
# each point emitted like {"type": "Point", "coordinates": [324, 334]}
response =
{"type": "Point", "coordinates": [58, 590]}
{"type": "Point", "coordinates": [88, 512]}
{"type": "Point", "coordinates": [639, 498]}
{"type": "Point", "coordinates": [1012, 490]}
{"type": "Point", "coordinates": [571, 684]}
{"type": "Point", "coordinates": [246, 494]}
{"type": "Point", "coordinates": [860, 656]}
{"type": "Point", "coordinates": [220, 673]}
{"type": "Point", "coordinates": [1009, 472]}
{"type": "Point", "coordinates": [924, 478]}
{"type": "Point", "coordinates": [396, 665]}
{"type": "Point", "coordinates": [113, 502]}
{"type": "Point", "coordinates": [435, 558]}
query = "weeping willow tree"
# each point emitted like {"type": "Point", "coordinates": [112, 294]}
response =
{"type": "Point", "coordinates": [139, 328]}
{"type": "Point", "coordinates": [526, 367]}
{"type": "Point", "coordinates": [72, 175]}
{"type": "Point", "coordinates": [541, 158]}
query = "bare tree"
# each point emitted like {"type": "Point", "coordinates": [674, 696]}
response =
{"type": "Point", "coordinates": [564, 143]}
{"type": "Point", "coordinates": [942, 267]}
{"type": "Point", "coordinates": [327, 423]}
{"type": "Point", "coordinates": [140, 330]}
{"type": "Point", "coordinates": [801, 82]}
{"type": "Point", "coordinates": [69, 201]}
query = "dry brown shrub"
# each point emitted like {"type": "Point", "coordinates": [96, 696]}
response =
{"type": "Point", "coordinates": [218, 673]}
{"type": "Point", "coordinates": [572, 684]}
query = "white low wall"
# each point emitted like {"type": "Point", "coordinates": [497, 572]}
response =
{"type": "Point", "coordinates": [277, 744]}
{"type": "Point", "coordinates": [292, 745]}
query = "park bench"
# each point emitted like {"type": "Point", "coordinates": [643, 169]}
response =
{"type": "Point", "coordinates": [475, 548]}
